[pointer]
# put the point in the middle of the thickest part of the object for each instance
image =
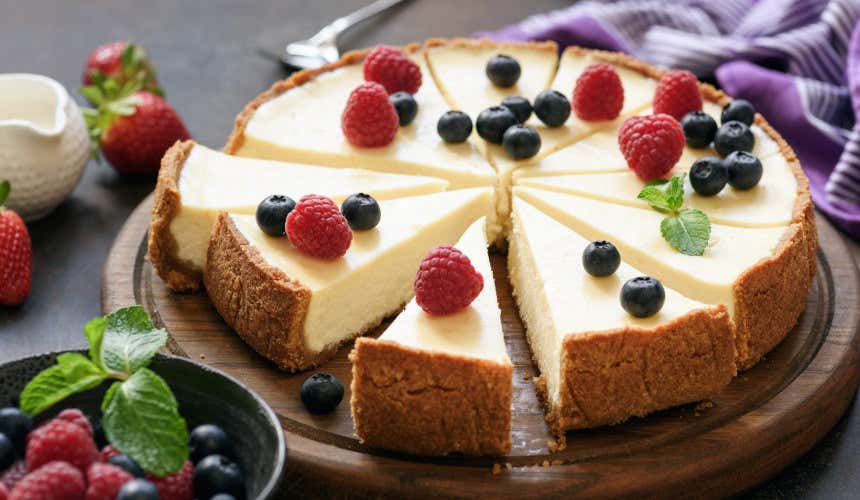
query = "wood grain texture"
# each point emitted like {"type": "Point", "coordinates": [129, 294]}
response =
{"type": "Point", "coordinates": [766, 418]}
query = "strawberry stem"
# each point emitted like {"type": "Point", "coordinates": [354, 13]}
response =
{"type": "Point", "coordinates": [5, 188]}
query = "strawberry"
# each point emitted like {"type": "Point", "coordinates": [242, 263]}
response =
{"type": "Point", "coordinates": [16, 255]}
{"type": "Point", "coordinates": [124, 62]}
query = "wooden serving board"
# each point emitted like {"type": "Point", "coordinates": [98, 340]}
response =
{"type": "Point", "coordinates": [765, 419]}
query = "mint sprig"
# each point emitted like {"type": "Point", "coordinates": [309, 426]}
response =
{"type": "Point", "coordinates": [688, 230]}
{"type": "Point", "coordinates": [140, 414]}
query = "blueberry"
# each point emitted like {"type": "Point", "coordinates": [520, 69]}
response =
{"type": "Point", "coordinates": [127, 464]}
{"type": "Point", "coordinates": [642, 296]}
{"type": "Point", "coordinates": [16, 424]}
{"type": "Point", "coordinates": [223, 496]}
{"type": "Point", "coordinates": [699, 129]}
{"type": "Point", "coordinates": [405, 105]}
{"type": "Point", "coordinates": [361, 211]}
{"type": "Point", "coordinates": [521, 141]}
{"type": "Point", "coordinates": [7, 452]}
{"type": "Point", "coordinates": [493, 122]}
{"type": "Point", "coordinates": [708, 176]}
{"type": "Point", "coordinates": [218, 474]}
{"type": "Point", "coordinates": [733, 136]}
{"type": "Point", "coordinates": [208, 439]}
{"type": "Point", "coordinates": [454, 126]}
{"type": "Point", "coordinates": [138, 489]}
{"type": "Point", "coordinates": [272, 214]}
{"type": "Point", "coordinates": [503, 70]}
{"type": "Point", "coordinates": [519, 106]}
{"type": "Point", "coordinates": [738, 110]}
{"type": "Point", "coordinates": [745, 170]}
{"type": "Point", "coordinates": [601, 258]}
{"type": "Point", "coordinates": [552, 107]}
{"type": "Point", "coordinates": [321, 393]}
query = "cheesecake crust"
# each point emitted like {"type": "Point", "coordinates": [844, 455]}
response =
{"type": "Point", "coordinates": [429, 403]}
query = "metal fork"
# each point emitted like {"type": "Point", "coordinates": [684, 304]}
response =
{"type": "Point", "coordinates": [321, 48]}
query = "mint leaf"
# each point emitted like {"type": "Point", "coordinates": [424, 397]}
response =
{"type": "Point", "coordinates": [675, 192]}
{"type": "Point", "coordinates": [688, 232]}
{"type": "Point", "coordinates": [5, 187]}
{"type": "Point", "coordinates": [95, 331]}
{"type": "Point", "coordinates": [141, 419]}
{"type": "Point", "coordinates": [655, 197]}
{"type": "Point", "coordinates": [129, 341]}
{"type": "Point", "coordinates": [72, 374]}
{"type": "Point", "coordinates": [656, 182]}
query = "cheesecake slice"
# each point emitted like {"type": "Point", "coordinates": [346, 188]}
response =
{"type": "Point", "coordinates": [761, 275]}
{"type": "Point", "coordinates": [433, 385]}
{"type": "Point", "coordinates": [295, 309]}
{"type": "Point", "coordinates": [599, 365]}
{"type": "Point", "coordinates": [196, 183]}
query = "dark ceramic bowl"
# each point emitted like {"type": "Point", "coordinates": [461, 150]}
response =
{"type": "Point", "coordinates": [205, 396]}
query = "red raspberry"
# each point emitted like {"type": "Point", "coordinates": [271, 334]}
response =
{"type": "Point", "coordinates": [652, 144]}
{"type": "Point", "coordinates": [677, 94]}
{"type": "Point", "coordinates": [76, 417]}
{"type": "Point", "coordinates": [108, 452]}
{"type": "Point", "coordinates": [60, 440]}
{"type": "Point", "coordinates": [317, 228]}
{"type": "Point", "coordinates": [446, 281]}
{"type": "Point", "coordinates": [11, 476]}
{"type": "Point", "coordinates": [177, 486]}
{"type": "Point", "coordinates": [4, 493]}
{"type": "Point", "coordinates": [104, 481]}
{"type": "Point", "coordinates": [598, 94]}
{"type": "Point", "coordinates": [396, 72]}
{"type": "Point", "coordinates": [52, 481]}
{"type": "Point", "coordinates": [369, 120]}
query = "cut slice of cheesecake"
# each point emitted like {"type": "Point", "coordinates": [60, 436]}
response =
{"type": "Point", "coordinates": [599, 365]}
{"type": "Point", "coordinates": [295, 309]}
{"type": "Point", "coordinates": [195, 183]}
{"type": "Point", "coordinates": [749, 270]}
{"type": "Point", "coordinates": [433, 385]}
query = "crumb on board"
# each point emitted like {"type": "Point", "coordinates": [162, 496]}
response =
{"type": "Point", "coordinates": [497, 469]}
{"type": "Point", "coordinates": [552, 445]}
{"type": "Point", "coordinates": [508, 466]}
{"type": "Point", "coordinates": [202, 356]}
{"type": "Point", "coordinates": [545, 463]}
{"type": "Point", "coordinates": [557, 462]}
{"type": "Point", "coordinates": [527, 376]}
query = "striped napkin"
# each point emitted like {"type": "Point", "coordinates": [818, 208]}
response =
{"type": "Point", "coordinates": [797, 61]}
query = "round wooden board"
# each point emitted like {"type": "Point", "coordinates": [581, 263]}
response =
{"type": "Point", "coordinates": [765, 419]}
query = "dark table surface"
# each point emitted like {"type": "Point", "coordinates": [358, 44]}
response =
{"type": "Point", "coordinates": [210, 63]}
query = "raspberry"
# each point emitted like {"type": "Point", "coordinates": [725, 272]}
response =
{"type": "Point", "coordinates": [52, 481]}
{"type": "Point", "coordinates": [108, 452]}
{"type": "Point", "coordinates": [446, 281]}
{"type": "Point", "coordinates": [677, 94]}
{"type": "Point", "coordinates": [13, 474]}
{"type": "Point", "coordinates": [318, 228]}
{"type": "Point", "coordinates": [4, 493]}
{"type": "Point", "coordinates": [598, 94]}
{"type": "Point", "coordinates": [178, 486]}
{"type": "Point", "coordinates": [652, 145]}
{"type": "Point", "coordinates": [77, 417]}
{"type": "Point", "coordinates": [60, 440]}
{"type": "Point", "coordinates": [389, 67]}
{"type": "Point", "coordinates": [369, 120]}
{"type": "Point", "coordinates": [104, 481]}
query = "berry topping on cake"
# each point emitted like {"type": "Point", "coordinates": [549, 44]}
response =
{"type": "Point", "coordinates": [272, 214]}
{"type": "Point", "coordinates": [405, 106]}
{"type": "Point", "coordinates": [744, 169]}
{"type": "Point", "coordinates": [739, 110]}
{"type": "Point", "coordinates": [318, 228]}
{"type": "Point", "coordinates": [521, 142]}
{"type": "Point", "coordinates": [493, 122]}
{"type": "Point", "coordinates": [598, 94]}
{"type": "Point", "coordinates": [362, 212]}
{"type": "Point", "coordinates": [733, 136]}
{"type": "Point", "coordinates": [677, 94]}
{"type": "Point", "coordinates": [61, 440]}
{"type": "Point", "coordinates": [446, 281]}
{"type": "Point", "coordinates": [651, 144]}
{"type": "Point", "coordinates": [138, 489]}
{"type": "Point", "coordinates": [369, 120]}
{"type": "Point", "coordinates": [218, 474]}
{"type": "Point", "coordinates": [389, 67]}
{"type": "Point", "coordinates": [643, 296]}
{"type": "Point", "coordinates": [552, 108]}
{"type": "Point", "coordinates": [52, 481]}
{"type": "Point", "coordinates": [503, 70]}
{"type": "Point", "coordinates": [104, 481]}
{"type": "Point", "coordinates": [321, 393]}
{"type": "Point", "coordinates": [601, 258]}
{"type": "Point", "coordinates": [454, 127]}
{"type": "Point", "coordinates": [699, 129]}
{"type": "Point", "coordinates": [708, 176]}
{"type": "Point", "coordinates": [519, 106]}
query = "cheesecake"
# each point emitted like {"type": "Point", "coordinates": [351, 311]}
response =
{"type": "Point", "coordinates": [196, 183]}
{"type": "Point", "coordinates": [295, 309]}
{"type": "Point", "coordinates": [434, 385]}
{"type": "Point", "coordinates": [600, 365]}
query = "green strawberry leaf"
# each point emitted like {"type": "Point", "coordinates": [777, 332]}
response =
{"type": "Point", "coordinates": [129, 340]}
{"type": "Point", "coordinates": [141, 419]}
{"type": "Point", "coordinates": [93, 93]}
{"type": "Point", "coordinates": [688, 232]}
{"type": "Point", "coordinates": [655, 197]}
{"type": "Point", "coordinates": [127, 56]}
{"type": "Point", "coordinates": [72, 374]}
{"type": "Point", "coordinates": [5, 189]}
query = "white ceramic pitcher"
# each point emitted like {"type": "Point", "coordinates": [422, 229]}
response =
{"type": "Point", "coordinates": [44, 144]}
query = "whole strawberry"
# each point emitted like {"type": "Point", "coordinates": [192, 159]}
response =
{"type": "Point", "coordinates": [16, 254]}
{"type": "Point", "coordinates": [61, 440]}
{"type": "Point", "coordinates": [52, 481]}
{"type": "Point", "coordinates": [177, 486]}
{"type": "Point", "coordinates": [122, 61]}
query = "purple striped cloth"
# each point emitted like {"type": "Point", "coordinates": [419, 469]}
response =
{"type": "Point", "coordinates": [797, 61]}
